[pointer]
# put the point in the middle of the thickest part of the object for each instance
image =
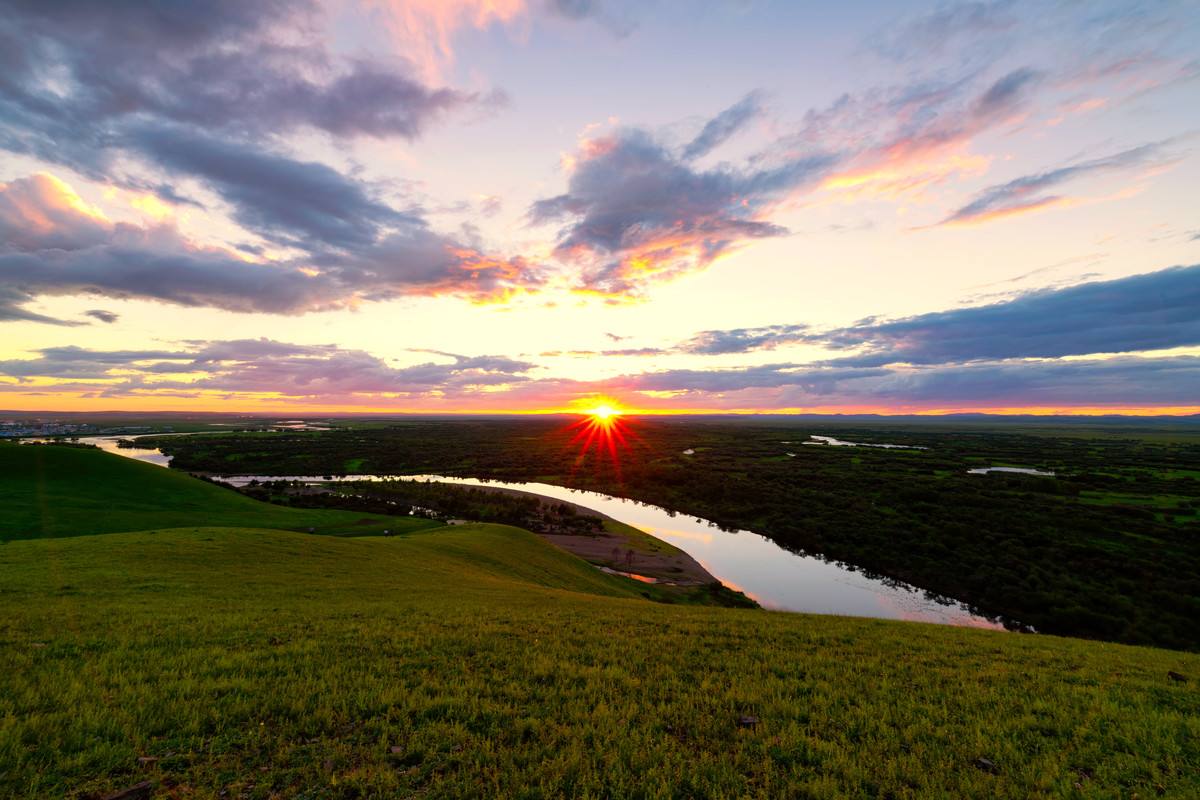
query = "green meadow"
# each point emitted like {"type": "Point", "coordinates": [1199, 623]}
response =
{"type": "Point", "coordinates": [240, 656]}
{"type": "Point", "coordinates": [48, 490]}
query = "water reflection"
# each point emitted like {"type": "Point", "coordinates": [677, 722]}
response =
{"type": "Point", "coordinates": [778, 578]}
{"type": "Point", "coordinates": [830, 441]}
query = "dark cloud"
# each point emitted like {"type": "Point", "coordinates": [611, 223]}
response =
{"type": "Point", "coordinates": [1124, 381]}
{"type": "Point", "coordinates": [817, 381]}
{"type": "Point", "coordinates": [264, 365]}
{"type": "Point", "coordinates": [744, 340]}
{"type": "Point", "coordinates": [1153, 311]}
{"type": "Point", "coordinates": [418, 261]}
{"type": "Point", "coordinates": [1006, 94]}
{"type": "Point", "coordinates": [635, 212]}
{"type": "Point", "coordinates": [245, 68]}
{"type": "Point", "coordinates": [80, 363]}
{"type": "Point", "coordinates": [149, 96]}
{"type": "Point", "coordinates": [181, 276]}
{"type": "Point", "coordinates": [724, 125]}
{"type": "Point", "coordinates": [328, 373]}
{"type": "Point", "coordinates": [12, 302]}
{"type": "Point", "coordinates": [1029, 191]}
{"type": "Point", "coordinates": [107, 317]}
{"type": "Point", "coordinates": [55, 245]}
{"type": "Point", "coordinates": [296, 202]}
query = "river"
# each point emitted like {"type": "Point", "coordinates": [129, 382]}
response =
{"type": "Point", "coordinates": [775, 577]}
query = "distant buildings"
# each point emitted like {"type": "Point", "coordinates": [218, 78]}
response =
{"type": "Point", "coordinates": [21, 428]}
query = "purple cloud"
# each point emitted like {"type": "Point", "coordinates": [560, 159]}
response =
{"type": "Point", "coordinates": [1029, 191]}
{"type": "Point", "coordinates": [56, 246]}
{"type": "Point", "coordinates": [635, 212]}
{"type": "Point", "coordinates": [724, 125]}
{"type": "Point", "coordinates": [1153, 311]}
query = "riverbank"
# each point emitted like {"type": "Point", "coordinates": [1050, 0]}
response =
{"type": "Point", "coordinates": [751, 565]}
{"type": "Point", "coordinates": [620, 547]}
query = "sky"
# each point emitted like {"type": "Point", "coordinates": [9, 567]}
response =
{"type": "Point", "coordinates": [538, 205]}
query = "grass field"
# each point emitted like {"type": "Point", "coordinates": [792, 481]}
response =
{"type": "Point", "coordinates": [75, 491]}
{"type": "Point", "coordinates": [478, 661]}
{"type": "Point", "coordinates": [1038, 550]}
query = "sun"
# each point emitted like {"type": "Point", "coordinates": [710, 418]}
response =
{"type": "Point", "coordinates": [603, 412]}
{"type": "Point", "coordinates": [601, 434]}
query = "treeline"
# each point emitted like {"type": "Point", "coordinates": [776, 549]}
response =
{"type": "Point", "coordinates": [441, 501]}
{"type": "Point", "coordinates": [1109, 548]}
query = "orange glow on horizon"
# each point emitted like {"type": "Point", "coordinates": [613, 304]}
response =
{"type": "Point", "coordinates": [220, 403]}
{"type": "Point", "coordinates": [601, 430]}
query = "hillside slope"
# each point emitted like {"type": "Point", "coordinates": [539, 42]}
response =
{"type": "Point", "coordinates": [74, 491]}
{"type": "Point", "coordinates": [481, 662]}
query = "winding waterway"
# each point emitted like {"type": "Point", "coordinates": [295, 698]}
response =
{"type": "Point", "coordinates": [777, 578]}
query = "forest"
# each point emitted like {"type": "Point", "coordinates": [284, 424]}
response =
{"type": "Point", "coordinates": [1106, 548]}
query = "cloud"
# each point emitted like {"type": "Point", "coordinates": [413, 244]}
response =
{"type": "Point", "coordinates": [948, 23]}
{"type": "Point", "coordinates": [724, 125]}
{"type": "Point", "coordinates": [55, 245]}
{"type": "Point", "coordinates": [1153, 311]}
{"type": "Point", "coordinates": [1028, 192]}
{"type": "Point", "coordinates": [418, 261]}
{"type": "Point", "coordinates": [618, 22]}
{"type": "Point", "coordinates": [75, 72]}
{"type": "Point", "coordinates": [107, 317]}
{"type": "Point", "coordinates": [743, 340]}
{"type": "Point", "coordinates": [817, 381]}
{"type": "Point", "coordinates": [635, 212]}
{"type": "Point", "coordinates": [901, 139]}
{"type": "Point", "coordinates": [424, 29]}
{"type": "Point", "coordinates": [257, 366]}
{"type": "Point", "coordinates": [294, 202]}
{"type": "Point", "coordinates": [244, 371]}
{"type": "Point", "coordinates": [81, 363]}
{"type": "Point", "coordinates": [154, 97]}
{"type": "Point", "coordinates": [1125, 381]}
{"type": "Point", "coordinates": [42, 212]}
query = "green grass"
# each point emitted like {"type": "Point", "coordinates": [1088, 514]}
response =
{"type": "Point", "coordinates": [220, 661]}
{"type": "Point", "coordinates": [70, 491]}
{"type": "Point", "coordinates": [480, 662]}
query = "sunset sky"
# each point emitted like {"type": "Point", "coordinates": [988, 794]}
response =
{"type": "Point", "coordinates": [526, 205]}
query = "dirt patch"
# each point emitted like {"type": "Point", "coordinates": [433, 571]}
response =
{"type": "Point", "coordinates": [626, 550]}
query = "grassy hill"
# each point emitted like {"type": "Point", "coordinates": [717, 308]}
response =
{"type": "Point", "coordinates": [74, 491]}
{"type": "Point", "coordinates": [478, 661]}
